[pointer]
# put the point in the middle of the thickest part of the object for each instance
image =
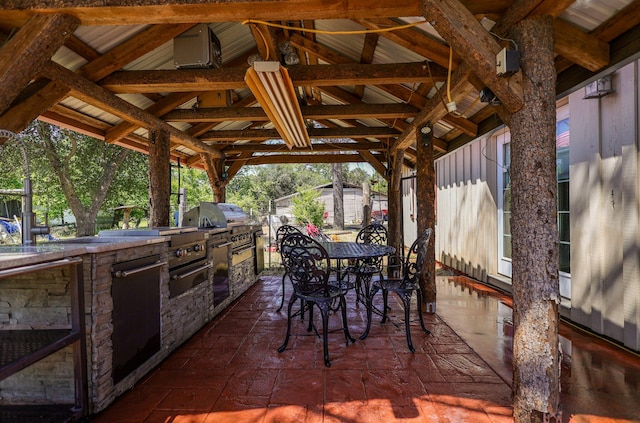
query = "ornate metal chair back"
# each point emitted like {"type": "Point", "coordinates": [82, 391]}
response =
{"type": "Point", "coordinates": [374, 233]}
{"type": "Point", "coordinates": [416, 257]}
{"type": "Point", "coordinates": [283, 231]}
{"type": "Point", "coordinates": [307, 264]}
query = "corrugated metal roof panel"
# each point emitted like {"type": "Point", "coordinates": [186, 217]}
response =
{"type": "Point", "coordinates": [348, 45]}
{"type": "Point", "coordinates": [588, 14]}
{"type": "Point", "coordinates": [104, 38]}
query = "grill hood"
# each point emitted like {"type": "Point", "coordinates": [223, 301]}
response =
{"type": "Point", "coordinates": [215, 215]}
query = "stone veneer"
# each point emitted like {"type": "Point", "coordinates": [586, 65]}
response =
{"type": "Point", "coordinates": [38, 301]}
{"type": "Point", "coordinates": [48, 304]}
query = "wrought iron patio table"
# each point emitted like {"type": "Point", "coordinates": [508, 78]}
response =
{"type": "Point", "coordinates": [357, 251]}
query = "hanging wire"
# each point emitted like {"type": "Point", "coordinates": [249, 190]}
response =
{"type": "Point", "coordinates": [319, 31]}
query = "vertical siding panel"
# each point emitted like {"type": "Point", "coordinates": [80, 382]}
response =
{"type": "Point", "coordinates": [584, 193]}
{"type": "Point", "coordinates": [631, 214]}
{"type": "Point", "coordinates": [612, 109]}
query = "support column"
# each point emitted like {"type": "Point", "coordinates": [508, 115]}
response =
{"type": "Point", "coordinates": [395, 210]}
{"type": "Point", "coordinates": [159, 178]}
{"type": "Point", "coordinates": [536, 296]}
{"type": "Point", "coordinates": [215, 173]}
{"type": "Point", "coordinates": [366, 204]}
{"type": "Point", "coordinates": [426, 212]}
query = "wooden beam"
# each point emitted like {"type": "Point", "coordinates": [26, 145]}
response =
{"type": "Point", "coordinates": [270, 134]}
{"type": "Point", "coordinates": [99, 97]}
{"type": "Point", "coordinates": [302, 158]}
{"type": "Point", "coordinates": [25, 54]}
{"type": "Point", "coordinates": [434, 109]}
{"type": "Point", "coordinates": [414, 40]}
{"type": "Point", "coordinates": [581, 48]}
{"type": "Point", "coordinates": [475, 46]}
{"type": "Point", "coordinates": [375, 162]}
{"type": "Point", "coordinates": [131, 49]}
{"type": "Point", "coordinates": [177, 11]}
{"type": "Point", "coordinates": [160, 108]}
{"type": "Point", "coordinates": [252, 114]}
{"type": "Point", "coordinates": [317, 147]}
{"type": "Point", "coordinates": [366, 56]}
{"type": "Point", "coordinates": [19, 116]}
{"type": "Point", "coordinates": [128, 82]}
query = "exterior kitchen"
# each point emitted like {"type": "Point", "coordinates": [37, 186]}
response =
{"type": "Point", "coordinates": [83, 319]}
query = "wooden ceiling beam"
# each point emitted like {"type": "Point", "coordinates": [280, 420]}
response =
{"type": "Point", "coordinates": [90, 93]}
{"type": "Point", "coordinates": [131, 49]}
{"type": "Point", "coordinates": [582, 49]}
{"type": "Point", "coordinates": [131, 82]}
{"type": "Point", "coordinates": [300, 158]}
{"type": "Point", "coordinates": [317, 147]}
{"type": "Point", "coordinates": [366, 56]}
{"type": "Point", "coordinates": [375, 162]}
{"type": "Point", "coordinates": [24, 55]}
{"type": "Point", "coordinates": [16, 12]}
{"type": "Point", "coordinates": [159, 109]}
{"type": "Point", "coordinates": [475, 46]}
{"type": "Point", "coordinates": [350, 111]}
{"type": "Point", "coordinates": [270, 134]}
{"type": "Point", "coordinates": [414, 40]}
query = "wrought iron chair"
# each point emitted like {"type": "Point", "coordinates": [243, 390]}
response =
{"type": "Point", "coordinates": [366, 268]}
{"type": "Point", "coordinates": [307, 265]}
{"type": "Point", "coordinates": [404, 287]}
{"type": "Point", "coordinates": [283, 231]}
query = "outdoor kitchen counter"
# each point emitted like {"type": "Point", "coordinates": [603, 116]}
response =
{"type": "Point", "coordinates": [17, 255]}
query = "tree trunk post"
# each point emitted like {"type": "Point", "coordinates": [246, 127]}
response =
{"type": "Point", "coordinates": [425, 210]}
{"type": "Point", "coordinates": [338, 196]}
{"type": "Point", "coordinates": [159, 178]}
{"type": "Point", "coordinates": [395, 221]}
{"type": "Point", "coordinates": [536, 298]}
{"type": "Point", "coordinates": [215, 172]}
{"type": "Point", "coordinates": [366, 204]}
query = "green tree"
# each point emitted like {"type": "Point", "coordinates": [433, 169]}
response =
{"type": "Point", "coordinates": [307, 208]}
{"type": "Point", "coordinates": [76, 172]}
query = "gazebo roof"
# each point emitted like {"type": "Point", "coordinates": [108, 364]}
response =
{"type": "Point", "coordinates": [110, 70]}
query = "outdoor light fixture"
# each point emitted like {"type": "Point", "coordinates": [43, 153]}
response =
{"type": "Point", "coordinates": [271, 85]}
{"type": "Point", "coordinates": [427, 133]}
{"type": "Point", "coordinates": [599, 88]}
{"type": "Point", "coordinates": [487, 96]}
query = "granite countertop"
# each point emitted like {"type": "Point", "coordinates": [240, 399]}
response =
{"type": "Point", "coordinates": [18, 255]}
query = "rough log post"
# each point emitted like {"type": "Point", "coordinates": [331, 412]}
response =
{"type": "Point", "coordinates": [366, 204]}
{"type": "Point", "coordinates": [159, 177]}
{"type": "Point", "coordinates": [425, 209]}
{"type": "Point", "coordinates": [215, 169]}
{"type": "Point", "coordinates": [536, 358]}
{"type": "Point", "coordinates": [338, 196]}
{"type": "Point", "coordinates": [23, 56]}
{"type": "Point", "coordinates": [395, 221]}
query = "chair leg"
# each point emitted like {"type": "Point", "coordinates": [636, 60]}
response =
{"type": "Point", "coordinates": [420, 317]}
{"type": "Point", "coordinates": [347, 335]}
{"type": "Point", "coordinates": [369, 298]}
{"type": "Point", "coordinates": [406, 299]}
{"type": "Point", "coordinates": [310, 328]}
{"type": "Point", "coordinates": [286, 338]}
{"type": "Point", "coordinates": [282, 299]}
{"type": "Point", "coordinates": [385, 297]}
{"type": "Point", "coordinates": [324, 311]}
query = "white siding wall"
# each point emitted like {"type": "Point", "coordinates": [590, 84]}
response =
{"type": "Point", "coordinates": [604, 202]}
{"type": "Point", "coordinates": [605, 269]}
{"type": "Point", "coordinates": [466, 214]}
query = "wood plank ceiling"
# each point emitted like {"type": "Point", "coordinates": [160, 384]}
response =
{"type": "Point", "coordinates": [107, 71]}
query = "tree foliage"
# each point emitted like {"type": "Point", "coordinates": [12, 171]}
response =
{"type": "Point", "coordinates": [307, 208]}
{"type": "Point", "coordinates": [71, 171]}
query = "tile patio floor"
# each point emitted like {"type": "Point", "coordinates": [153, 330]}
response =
{"type": "Point", "coordinates": [230, 371]}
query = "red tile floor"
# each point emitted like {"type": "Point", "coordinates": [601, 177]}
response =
{"type": "Point", "coordinates": [230, 371]}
